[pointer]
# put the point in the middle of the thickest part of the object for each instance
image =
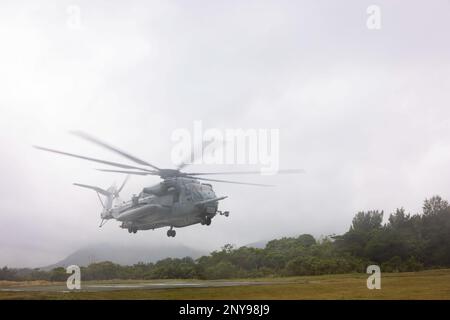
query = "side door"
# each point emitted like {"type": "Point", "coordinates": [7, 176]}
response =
{"type": "Point", "coordinates": [183, 202]}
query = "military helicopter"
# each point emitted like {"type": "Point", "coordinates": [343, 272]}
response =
{"type": "Point", "coordinates": [179, 200]}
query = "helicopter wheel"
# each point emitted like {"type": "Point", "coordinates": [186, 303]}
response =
{"type": "Point", "coordinates": [208, 221]}
{"type": "Point", "coordinates": [129, 230]}
{"type": "Point", "coordinates": [171, 233]}
{"type": "Point", "coordinates": [134, 230]}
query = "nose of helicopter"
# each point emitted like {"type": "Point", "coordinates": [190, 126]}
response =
{"type": "Point", "coordinates": [208, 192]}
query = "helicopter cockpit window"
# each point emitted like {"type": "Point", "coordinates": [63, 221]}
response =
{"type": "Point", "coordinates": [195, 191]}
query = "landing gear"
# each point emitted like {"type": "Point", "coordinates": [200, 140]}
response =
{"type": "Point", "coordinates": [132, 229]}
{"type": "Point", "coordinates": [171, 232]}
{"type": "Point", "coordinates": [206, 220]}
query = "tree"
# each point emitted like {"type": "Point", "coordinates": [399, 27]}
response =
{"type": "Point", "coordinates": [367, 221]}
{"type": "Point", "coordinates": [306, 240]}
{"type": "Point", "coordinates": [399, 219]}
{"type": "Point", "coordinates": [223, 270]}
{"type": "Point", "coordinates": [228, 248]}
{"type": "Point", "coordinates": [434, 205]}
{"type": "Point", "coordinates": [435, 232]}
{"type": "Point", "coordinates": [364, 226]}
{"type": "Point", "coordinates": [7, 274]}
{"type": "Point", "coordinates": [58, 274]}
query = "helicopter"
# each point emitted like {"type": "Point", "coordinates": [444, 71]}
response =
{"type": "Point", "coordinates": [181, 199]}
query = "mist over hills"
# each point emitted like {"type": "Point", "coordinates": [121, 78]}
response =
{"type": "Point", "coordinates": [124, 254]}
{"type": "Point", "coordinates": [257, 244]}
{"type": "Point", "coordinates": [132, 254]}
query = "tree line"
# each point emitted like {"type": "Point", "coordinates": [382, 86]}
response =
{"type": "Point", "coordinates": [404, 243]}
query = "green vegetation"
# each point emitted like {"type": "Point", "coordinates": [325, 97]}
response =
{"type": "Point", "coordinates": [405, 243]}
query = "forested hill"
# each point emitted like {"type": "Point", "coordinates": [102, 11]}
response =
{"type": "Point", "coordinates": [404, 243]}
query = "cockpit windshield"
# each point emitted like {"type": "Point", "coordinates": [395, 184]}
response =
{"type": "Point", "coordinates": [200, 192]}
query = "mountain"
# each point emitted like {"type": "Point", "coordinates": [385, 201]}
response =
{"type": "Point", "coordinates": [124, 254]}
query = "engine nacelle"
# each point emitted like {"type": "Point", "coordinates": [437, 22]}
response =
{"type": "Point", "coordinates": [157, 190]}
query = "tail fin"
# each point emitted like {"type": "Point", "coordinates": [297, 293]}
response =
{"type": "Point", "coordinates": [110, 194]}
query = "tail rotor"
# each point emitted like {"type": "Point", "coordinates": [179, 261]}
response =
{"type": "Point", "coordinates": [111, 194]}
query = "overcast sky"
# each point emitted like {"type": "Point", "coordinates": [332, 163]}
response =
{"type": "Point", "coordinates": [364, 112]}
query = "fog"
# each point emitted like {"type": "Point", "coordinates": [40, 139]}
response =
{"type": "Point", "coordinates": [364, 112]}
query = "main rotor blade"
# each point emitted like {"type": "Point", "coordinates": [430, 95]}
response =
{"type": "Point", "coordinates": [235, 182]}
{"type": "Point", "coordinates": [131, 172]}
{"type": "Point", "coordinates": [192, 157]}
{"type": "Point", "coordinates": [115, 164]}
{"type": "Point", "coordinates": [99, 190]}
{"type": "Point", "coordinates": [123, 183]}
{"type": "Point", "coordinates": [286, 171]}
{"type": "Point", "coordinates": [113, 149]}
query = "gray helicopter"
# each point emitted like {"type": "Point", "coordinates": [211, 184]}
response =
{"type": "Point", "coordinates": [179, 200]}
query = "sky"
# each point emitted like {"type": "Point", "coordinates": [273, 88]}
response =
{"type": "Point", "coordinates": [365, 112]}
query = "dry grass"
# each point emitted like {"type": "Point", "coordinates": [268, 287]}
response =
{"type": "Point", "coordinates": [4, 283]}
{"type": "Point", "coordinates": [434, 284]}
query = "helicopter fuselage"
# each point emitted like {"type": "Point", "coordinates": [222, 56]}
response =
{"type": "Point", "coordinates": [176, 202]}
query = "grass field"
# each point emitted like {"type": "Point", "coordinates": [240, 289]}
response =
{"type": "Point", "coordinates": [434, 284]}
